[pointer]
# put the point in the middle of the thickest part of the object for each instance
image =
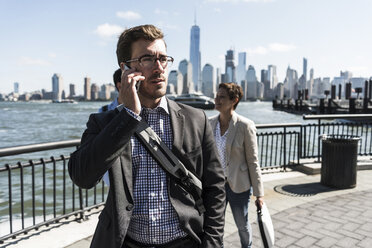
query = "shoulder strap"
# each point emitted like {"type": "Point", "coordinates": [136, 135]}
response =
{"type": "Point", "coordinates": [104, 108]}
{"type": "Point", "coordinates": [170, 163]}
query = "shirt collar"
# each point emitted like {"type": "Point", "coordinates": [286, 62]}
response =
{"type": "Point", "coordinates": [163, 104]}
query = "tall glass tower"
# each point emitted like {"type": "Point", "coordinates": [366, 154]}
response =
{"type": "Point", "coordinates": [195, 56]}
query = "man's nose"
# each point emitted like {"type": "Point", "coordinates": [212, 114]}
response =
{"type": "Point", "coordinates": [158, 67]}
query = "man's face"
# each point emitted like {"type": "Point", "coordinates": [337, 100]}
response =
{"type": "Point", "coordinates": [155, 84]}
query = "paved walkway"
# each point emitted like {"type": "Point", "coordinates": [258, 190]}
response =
{"type": "Point", "coordinates": [304, 213]}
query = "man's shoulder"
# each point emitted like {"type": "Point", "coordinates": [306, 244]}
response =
{"type": "Point", "coordinates": [185, 109]}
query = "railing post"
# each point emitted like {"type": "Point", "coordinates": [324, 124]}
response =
{"type": "Point", "coordinates": [285, 149]}
{"type": "Point", "coordinates": [319, 120]}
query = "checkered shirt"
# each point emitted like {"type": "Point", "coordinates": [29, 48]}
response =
{"type": "Point", "coordinates": [154, 220]}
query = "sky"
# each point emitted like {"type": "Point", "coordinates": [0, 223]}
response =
{"type": "Point", "coordinates": [77, 38]}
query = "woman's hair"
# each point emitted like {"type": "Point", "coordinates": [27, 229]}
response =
{"type": "Point", "coordinates": [233, 90]}
{"type": "Point", "coordinates": [129, 36]}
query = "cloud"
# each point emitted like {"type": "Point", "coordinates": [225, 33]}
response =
{"type": "Point", "coordinates": [160, 12]}
{"type": "Point", "coordinates": [218, 10]}
{"type": "Point", "coordinates": [163, 25]}
{"type": "Point", "coordinates": [128, 15]}
{"type": "Point", "coordinates": [52, 55]}
{"type": "Point", "coordinates": [32, 61]}
{"type": "Point", "coordinates": [239, 1]}
{"type": "Point", "coordinates": [272, 47]}
{"type": "Point", "coordinates": [260, 50]}
{"type": "Point", "coordinates": [279, 47]}
{"type": "Point", "coordinates": [107, 30]}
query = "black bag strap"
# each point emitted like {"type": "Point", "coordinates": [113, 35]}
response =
{"type": "Point", "coordinates": [170, 163]}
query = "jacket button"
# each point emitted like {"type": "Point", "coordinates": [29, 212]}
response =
{"type": "Point", "coordinates": [129, 207]}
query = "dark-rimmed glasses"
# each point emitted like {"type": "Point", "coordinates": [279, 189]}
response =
{"type": "Point", "coordinates": [148, 61]}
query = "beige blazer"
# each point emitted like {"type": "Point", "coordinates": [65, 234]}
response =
{"type": "Point", "coordinates": [243, 169]}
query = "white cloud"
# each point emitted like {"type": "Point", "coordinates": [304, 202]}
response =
{"type": "Point", "coordinates": [107, 30]}
{"type": "Point", "coordinates": [32, 61]}
{"type": "Point", "coordinates": [128, 15]}
{"type": "Point", "coordinates": [272, 47]}
{"type": "Point", "coordinates": [160, 12]}
{"type": "Point", "coordinates": [163, 25]}
{"type": "Point", "coordinates": [279, 47]}
{"type": "Point", "coordinates": [260, 50]}
{"type": "Point", "coordinates": [218, 10]}
{"type": "Point", "coordinates": [240, 1]}
{"type": "Point", "coordinates": [52, 55]}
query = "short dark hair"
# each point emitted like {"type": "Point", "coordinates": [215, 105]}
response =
{"type": "Point", "coordinates": [233, 90]}
{"type": "Point", "coordinates": [129, 36]}
{"type": "Point", "coordinates": [117, 78]}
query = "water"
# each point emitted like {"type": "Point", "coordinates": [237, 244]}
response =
{"type": "Point", "coordinates": [34, 122]}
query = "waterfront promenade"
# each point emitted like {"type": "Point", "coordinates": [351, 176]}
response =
{"type": "Point", "coordinates": [304, 213]}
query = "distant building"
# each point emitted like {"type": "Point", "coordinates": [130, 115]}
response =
{"type": "Point", "coordinates": [94, 92]}
{"type": "Point", "coordinates": [72, 91]}
{"type": "Point", "coordinates": [209, 85]}
{"type": "Point", "coordinates": [218, 77]}
{"type": "Point", "coordinates": [251, 83]}
{"type": "Point", "coordinates": [57, 87]}
{"type": "Point", "coordinates": [304, 69]}
{"type": "Point", "coordinates": [242, 67]}
{"type": "Point", "coordinates": [195, 56]}
{"type": "Point", "coordinates": [186, 69]}
{"type": "Point", "coordinates": [176, 79]}
{"type": "Point", "coordinates": [87, 89]}
{"type": "Point", "coordinates": [291, 83]}
{"type": "Point", "coordinates": [106, 90]}
{"type": "Point", "coordinates": [16, 87]}
{"type": "Point", "coordinates": [230, 74]}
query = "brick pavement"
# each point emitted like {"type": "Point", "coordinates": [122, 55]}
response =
{"type": "Point", "coordinates": [321, 216]}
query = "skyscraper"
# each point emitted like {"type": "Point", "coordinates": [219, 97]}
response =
{"type": "Point", "coordinates": [185, 68]}
{"type": "Point", "coordinates": [57, 87]}
{"type": "Point", "coordinates": [229, 67]}
{"type": "Point", "coordinates": [16, 87]}
{"type": "Point", "coordinates": [305, 69]}
{"type": "Point", "coordinates": [242, 67]}
{"type": "Point", "coordinates": [87, 89]}
{"type": "Point", "coordinates": [209, 85]}
{"type": "Point", "coordinates": [195, 59]}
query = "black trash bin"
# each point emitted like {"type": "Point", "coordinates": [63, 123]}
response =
{"type": "Point", "coordinates": [339, 161]}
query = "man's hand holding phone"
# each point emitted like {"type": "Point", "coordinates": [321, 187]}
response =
{"type": "Point", "coordinates": [128, 93]}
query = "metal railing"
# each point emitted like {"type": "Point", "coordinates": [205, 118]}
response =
{"type": "Point", "coordinates": [40, 192]}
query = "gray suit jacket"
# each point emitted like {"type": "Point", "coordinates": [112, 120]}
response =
{"type": "Point", "coordinates": [243, 169]}
{"type": "Point", "coordinates": [106, 145]}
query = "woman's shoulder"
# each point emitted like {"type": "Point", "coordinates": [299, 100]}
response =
{"type": "Point", "coordinates": [244, 120]}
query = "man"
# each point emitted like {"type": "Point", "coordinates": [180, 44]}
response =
{"type": "Point", "coordinates": [112, 106]}
{"type": "Point", "coordinates": [145, 206]}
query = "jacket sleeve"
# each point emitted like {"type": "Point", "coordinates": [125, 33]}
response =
{"type": "Point", "coordinates": [251, 156]}
{"type": "Point", "coordinates": [214, 197]}
{"type": "Point", "coordinates": [102, 142]}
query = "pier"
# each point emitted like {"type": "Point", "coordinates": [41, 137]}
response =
{"type": "Point", "coordinates": [44, 208]}
{"type": "Point", "coordinates": [331, 104]}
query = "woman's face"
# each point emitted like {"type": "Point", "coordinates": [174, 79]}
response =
{"type": "Point", "coordinates": [223, 102]}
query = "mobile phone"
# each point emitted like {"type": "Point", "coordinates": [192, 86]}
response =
{"type": "Point", "coordinates": [138, 83]}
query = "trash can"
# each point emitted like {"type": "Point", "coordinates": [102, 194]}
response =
{"type": "Point", "coordinates": [339, 161]}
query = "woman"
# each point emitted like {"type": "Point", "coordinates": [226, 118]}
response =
{"type": "Point", "coordinates": [237, 146]}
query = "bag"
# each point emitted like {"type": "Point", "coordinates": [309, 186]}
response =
{"type": "Point", "coordinates": [266, 226]}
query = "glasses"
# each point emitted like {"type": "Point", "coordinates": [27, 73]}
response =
{"type": "Point", "coordinates": [148, 61]}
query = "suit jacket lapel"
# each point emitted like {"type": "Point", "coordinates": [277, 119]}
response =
{"type": "Point", "coordinates": [177, 121]}
{"type": "Point", "coordinates": [231, 135]}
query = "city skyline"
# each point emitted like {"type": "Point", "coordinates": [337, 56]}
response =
{"type": "Point", "coordinates": [78, 40]}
